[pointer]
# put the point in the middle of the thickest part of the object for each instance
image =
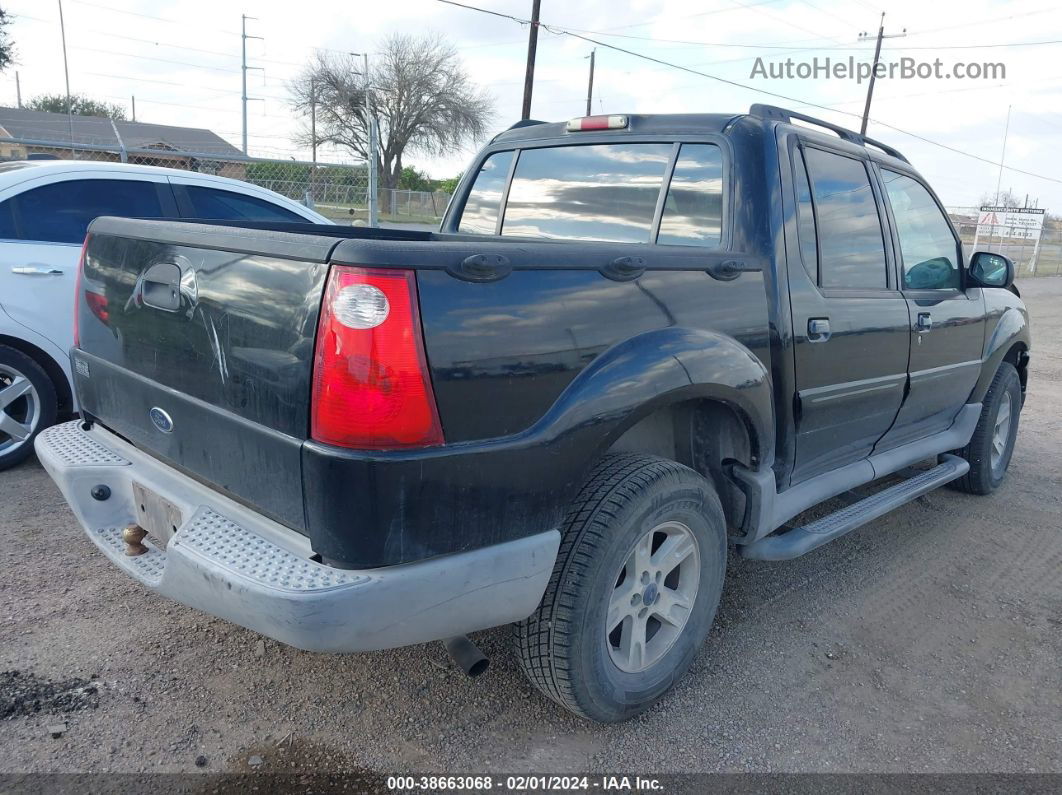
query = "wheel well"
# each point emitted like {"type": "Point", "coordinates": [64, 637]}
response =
{"type": "Point", "coordinates": [50, 366]}
{"type": "Point", "coordinates": [701, 434]}
{"type": "Point", "coordinates": [1017, 356]}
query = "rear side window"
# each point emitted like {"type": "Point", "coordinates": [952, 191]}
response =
{"type": "Point", "coordinates": [693, 208]}
{"type": "Point", "coordinates": [805, 218]}
{"type": "Point", "coordinates": [851, 246]}
{"type": "Point", "coordinates": [62, 211]}
{"type": "Point", "coordinates": [225, 205]}
{"type": "Point", "coordinates": [927, 245]}
{"type": "Point", "coordinates": [587, 192]}
{"type": "Point", "coordinates": [480, 215]}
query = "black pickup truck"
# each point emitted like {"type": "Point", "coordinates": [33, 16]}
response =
{"type": "Point", "coordinates": [636, 342]}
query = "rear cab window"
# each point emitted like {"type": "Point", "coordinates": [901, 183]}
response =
{"type": "Point", "coordinates": [624, 192]}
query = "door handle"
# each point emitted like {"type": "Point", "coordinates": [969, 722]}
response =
{"type": "Point", "coordinates": [924, 322]}
{"type": "Point", "coordinates": [818, 329]}
{"type": "Point", "coordinates": [35, 270]}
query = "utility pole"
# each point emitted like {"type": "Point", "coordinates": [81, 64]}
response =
{"type": "Point", "coordinates": [66, 74]}
{"type": "Point", "coordinates": [874, 71]}
{"type": "Point", "coordinates": [1003, 155]}
{"type": "Point", "coordinates": [245, 67]}
{"type": "Point", "coordinates": [371, 133]}
{"type": "Point", "coordinates": [532, 46]}
{"type": "Point", "coordinates": [18, 90]}
{"type": "Point", "coordinates": [313, 120]}
{"type": "Point", "coordinates": [133, 97]}
{"type": "Point", "coordinates": [590, 86]}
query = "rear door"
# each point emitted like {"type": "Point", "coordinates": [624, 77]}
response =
{"type": "Point", "coordinates": [948, 320]}
{"type": "Point", "coordinates": [850, 320]}
{"type": "Point", "coordinates": [43, 223]}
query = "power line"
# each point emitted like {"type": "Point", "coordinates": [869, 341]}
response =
{"type": "Point", "coordinates": [150, 16]}
{"type": "Point", "coordinates": [557, 31]}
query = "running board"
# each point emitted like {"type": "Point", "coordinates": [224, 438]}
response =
{"type": "Point", "coordinates": [800, 540]}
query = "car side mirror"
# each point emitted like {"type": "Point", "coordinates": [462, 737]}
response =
{"type": "Point", "coordinates": [991, 270]}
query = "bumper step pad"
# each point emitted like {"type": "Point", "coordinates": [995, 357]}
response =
{"type": "Point", "coordinates": [229, 561]}
{"type": "Point", "coordinates": [796, 541]}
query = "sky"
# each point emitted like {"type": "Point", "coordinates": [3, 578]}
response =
{"type": "Point", "coordinates": [182, 62]}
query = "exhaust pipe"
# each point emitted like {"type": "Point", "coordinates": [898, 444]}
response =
{"type": "Point", "coordinates": [466, 655]}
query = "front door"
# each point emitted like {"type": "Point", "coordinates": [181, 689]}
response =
{"type": "Point", "coordinates": [947, 321]}
{"type": "Point", "coordinates": [850, 322]}
{"type": "Point", "coordinates": [43, 223]}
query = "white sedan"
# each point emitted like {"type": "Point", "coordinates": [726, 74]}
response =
{"type": "Point", "coordinates": [45, 208]}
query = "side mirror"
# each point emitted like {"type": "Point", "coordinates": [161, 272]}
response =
{"type": "Point", "coordinates": [991, 270]}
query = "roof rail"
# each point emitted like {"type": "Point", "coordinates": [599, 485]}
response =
{"type": "Point", "coordinates": [773, 112]}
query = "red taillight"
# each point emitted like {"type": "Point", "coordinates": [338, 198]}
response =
{"type": "Point", "coordinates": [77, 291]}
{"type": "Point", "coordinates": [371, 388]}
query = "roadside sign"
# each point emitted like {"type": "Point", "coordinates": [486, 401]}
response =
{"type": "Point", "coordinates": [1025, 223]}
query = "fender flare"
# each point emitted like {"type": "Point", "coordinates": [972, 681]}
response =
{"type": "Point", "coordinates": [1012, 329]}
{"type": "Point", "coordinates": [663, 367]}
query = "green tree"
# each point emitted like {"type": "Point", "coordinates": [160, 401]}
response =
{"type": "Point", "coordinates": [80, 105]}
{"type": "Point", "coordinates": [412, 179]}
{"type": "Point", "coordinates": [7, 47]}
{"type": "Point", "coordinates": [449, 185]}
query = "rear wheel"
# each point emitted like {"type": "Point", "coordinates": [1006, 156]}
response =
{"type": "Point", "coordinates": [992, 443]}
{"type": "Point", "coordinates": [28, 405]}
{"type": "Point", "coordinates": [634, 590]}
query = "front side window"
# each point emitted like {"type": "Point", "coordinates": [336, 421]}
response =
{"type": "Point", "coordinates": [693, 208]}
{"type": "Point", "coordinates": [927, 245]}
{"type": "Point", "coordinates": [61, 212]}
{"type": "Point", "coordinates": [225, 205]}
{"type": "Point", "coordinates": [851, 245]}
{"type": "Point", "coordinates": [480, 216]}
{"type": "Point", "coordinates": [588, 192]}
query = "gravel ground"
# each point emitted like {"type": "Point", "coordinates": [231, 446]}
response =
{"type": "Point", "coordinates": [927, 641]}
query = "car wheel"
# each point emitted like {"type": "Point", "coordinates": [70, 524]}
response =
{"type": "Point", "coordinates": [634, 590]}
{"type": "Point", "coordinates": [992, 443]}
{"type": "Point", "coordinates": [28, 405]}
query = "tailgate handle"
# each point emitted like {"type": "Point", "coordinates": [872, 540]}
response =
{"type": "Point", "coordinates": [160, 287]}
{"type": "Point", "coordinates": [482, 268]}
{"type": "Point", "coordinates": [624, 269]}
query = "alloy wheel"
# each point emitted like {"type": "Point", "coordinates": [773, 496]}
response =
{"type": "Point", "coordinates": [20, 409]}
{"type": "Point", "coordinates": [653, 597]}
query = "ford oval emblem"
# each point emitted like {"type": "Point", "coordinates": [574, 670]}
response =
{"type": "Point", "coordinates": [161, 420]}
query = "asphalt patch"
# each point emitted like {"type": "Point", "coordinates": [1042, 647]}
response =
{"type": "Point", "coordinates": [23, 693]}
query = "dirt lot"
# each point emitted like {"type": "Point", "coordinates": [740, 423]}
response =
{"type": "Point", "coordinates": [929, 640]}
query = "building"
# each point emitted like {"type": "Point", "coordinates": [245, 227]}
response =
{"type": "Point", "coordinates": [33, 132]}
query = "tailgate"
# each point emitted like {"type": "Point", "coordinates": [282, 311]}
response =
{"type": "Point", "coordinates": [196, 344]}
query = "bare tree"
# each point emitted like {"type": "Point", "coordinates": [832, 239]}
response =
{"type": "Point", "coordinates": [420, 96]}
{"type": "Point", "coordinates": [1003, 199]}
{"type": "Point", "coordinates": [7, 47]}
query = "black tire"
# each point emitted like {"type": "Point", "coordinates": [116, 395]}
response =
{"type": "Point", "coordinates": [985, 476]}
{"type": "Point", "coordinates": [563, 647]}
{"type": "Point", "coordinates": [13, 361]}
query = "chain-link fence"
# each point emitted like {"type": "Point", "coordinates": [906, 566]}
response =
{"type": "Point", "coordinates": [1031, 257]}
{"type": "Point", "coordinates": [339, 191]}
{"type": "Point", "coordinates": [414, 204]}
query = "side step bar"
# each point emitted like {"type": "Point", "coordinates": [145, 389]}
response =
{"type": "Point", "coordinates": [797, 541]}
